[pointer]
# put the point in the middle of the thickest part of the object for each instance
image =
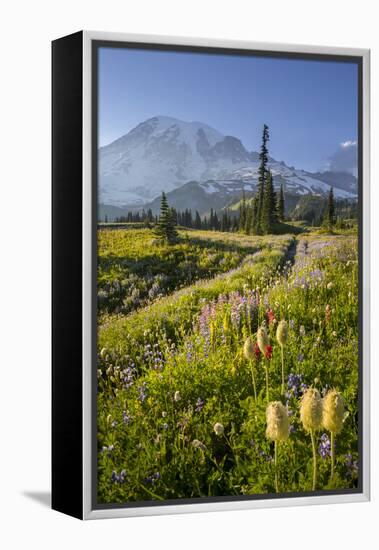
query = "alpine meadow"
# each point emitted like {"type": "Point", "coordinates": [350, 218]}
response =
{"type": "Point", "coordinates": [227, 309]}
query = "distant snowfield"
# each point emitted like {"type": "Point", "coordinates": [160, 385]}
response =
{"type": "Point", "coordinates": [163, 154]}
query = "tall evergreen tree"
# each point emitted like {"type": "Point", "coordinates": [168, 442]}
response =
{"type": "Point", "coordinates": [269, 213]}
{"type": "Point", "coordinates": [331, 208]}
{"type": "Point", "coordinates": [281, 204]}
{"type": "Point", "coordinates": [165, 228]}
{"type": "Point", "coordinates": [249, 219]}
{"type": "Point", "coordinates": [262, 172]}
{"type": "Point", "coordinates": [243, 212]}
{"type": "Point", "coordinates": [197, 220]}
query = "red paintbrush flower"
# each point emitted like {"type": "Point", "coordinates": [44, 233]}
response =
{"type": "Point", "coordinates": [328, 313]}
{"type": "Point", "coordinates": [257, 352]}
{"type": "Point", "coordinates": [270, 316]}
{"type": "Point", "coordinates": [268, 352]}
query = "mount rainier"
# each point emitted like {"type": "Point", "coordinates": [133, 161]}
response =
{"type": "Point", "coordinates": [196, 165]}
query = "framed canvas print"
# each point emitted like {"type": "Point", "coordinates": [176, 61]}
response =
{"type": "Point", "coordinates": [210, 275]}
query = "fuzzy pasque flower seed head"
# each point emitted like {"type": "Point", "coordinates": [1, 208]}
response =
{"type": "Point", "coordinates": [278, 423]}
{"type": "Point", "coordinates": [333, 411]}
{"type": "Point", "coordinates": [282, 333]}
{"type": "Point", "coordinates": [218, 428]}
{"type": "Point", "coordinates": [311, 410]}
{"type": "Point", "coordinates": [248, 349]}
{"type": "Point", "coordinates": [262, 339]}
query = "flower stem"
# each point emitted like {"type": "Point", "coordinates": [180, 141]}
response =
{"type": "Point", "coordinates": [332, 453]}
{"type": "Point", "coordinates": [314, 461]}
{"type": "Point", "coordinates": [267, 392]}
{"type": "Point", "coordinates": [276, 467]}
{"type": "Point", "coordinates": [282, 350]}
{"type": "Point", "coordinates": [254, 386]}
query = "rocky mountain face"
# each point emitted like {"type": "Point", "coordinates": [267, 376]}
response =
{"type": "Point", "coordinates": [197, 166]}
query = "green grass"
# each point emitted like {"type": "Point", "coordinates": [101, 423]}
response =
{"type": "Point", "coordinates": [172, 370]}
{"type": "Point", "coordinates": [134, 268]}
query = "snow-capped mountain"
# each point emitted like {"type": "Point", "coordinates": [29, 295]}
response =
{"type": "Point", "coordinates": [164, 154]}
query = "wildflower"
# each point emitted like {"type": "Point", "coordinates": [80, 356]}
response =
{"type": "Point", "coordinates": [248, 349]}
{"type": "Point", "coordinates": [311, 417]}
{"type": "Point", "coordinates": [118, 478]}
{"type": "Point", "coordinates": [257, 352]}
{"type": "Point", "coordinates": [278, 423]}
{"type": "Point", "coordinates": [142, 392]}
{"type": "Point", "coordinates": [153, 478]}
{"type": "Point", "coordinates": [199, 404]}
{"type": "Point", "coordinates": [218, 428]}
{"type": "Point", "coordinates": [262, 339]}
{"type": "Point", "coordinates": [270, 316]}
{"type": "Point", "coordinates": [278, 429]}
{"type": "Point", "coordinates": [302, 330]}
{"type": "Point", "coordinates": [177, 396]}
{"type": "Point", "coordinates": [328, 313]}
{"type": "Point", "coordinates": [268, 352]}
{"type": "Point", "coordinates": [294, 385]}
{"type": "Point", "coordinates": [282, 333]}
{"type": "Point", "coordinates": [351, 466]}
{"type": "Point", "coordinates": [333, 411]}
{"type": "Point", "coordinates": [329, 286]}
{"type": "Point", "coordinates": [311, 410]}
{"type": "Point", "coordinates": [324, 449]}
{"type": "Point", "coordinates": [198, 444]}
{"type": "Point", "coordinates": [126, 417]}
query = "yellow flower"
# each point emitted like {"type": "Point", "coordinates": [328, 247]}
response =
{"type": "Point", "coordinates": [333, 411]}
{"type": "Point", "coordinates": [282, 333]}
{"type": "Point", "coordinates": [218, 428]}
{"type": "Point", "coordinates": [262, 339]}
{"type": "Point", "coordinates": [311, 410]}
{"type": "Point", "coordinates": [278, 423]}
{"type": "Point", "coordinates": [248, 349]}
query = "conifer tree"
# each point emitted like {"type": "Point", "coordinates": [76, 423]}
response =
{"type": "Point", "coordinates": [216, 223]}
{"type": "Point", "coordinates": [262, 171]}
{"type": "Point", "coordinates": [331, 209]}
{"type": "Point", "coordinates": [197, 220]}
{"type": "Point", "coordinates": [243, 212]}
{"type": "Point", "coordinates": [165, 228]}
{"type": "Point", "coordinates": [281, 204]}
{"type": "Point", "coordinates": [269, 214]}
{"type": "Point", "coordinates": [249, 219]}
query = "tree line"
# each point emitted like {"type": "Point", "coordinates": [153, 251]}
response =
{"type": "Point", "coordinates": [258, 215]}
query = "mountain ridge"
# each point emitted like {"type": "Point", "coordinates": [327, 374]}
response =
{"type": "Point", "coordinates": [167, 154]}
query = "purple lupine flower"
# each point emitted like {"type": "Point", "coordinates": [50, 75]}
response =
{"type": "Point", "coordinates": [126, 417]}
{"type": "Point", "coordinates": [153, 478]}
{"type": "Point", "coordinates": [351, 466]}
{"type": "Point", "coordinates": [142, 392]}
{"type": "Point", "coordinates": [295, 385]}
{"type": "Point", "coordinates": [325, 449]}
{"type": "Point", "coordinates": [118, 478]}
{"type": "Point", "coordinates": [199, 404]}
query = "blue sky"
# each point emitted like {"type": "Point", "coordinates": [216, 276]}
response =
{"type": "Point", "coordinates": [310, 106]}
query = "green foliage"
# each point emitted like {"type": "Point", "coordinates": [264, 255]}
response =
{"type": "Point", "coordinates": [262, 171]}
{"type": "Point", "coordinates": [168, 373]}
{"type": "Point", "coordinates": [280, 206]}
{"type": "Point", "coordinates": [269, 213]}
{"type": "Point", "coordinates": [134, 268]}
{"type": "Point", "coordinates": [165, 228]}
